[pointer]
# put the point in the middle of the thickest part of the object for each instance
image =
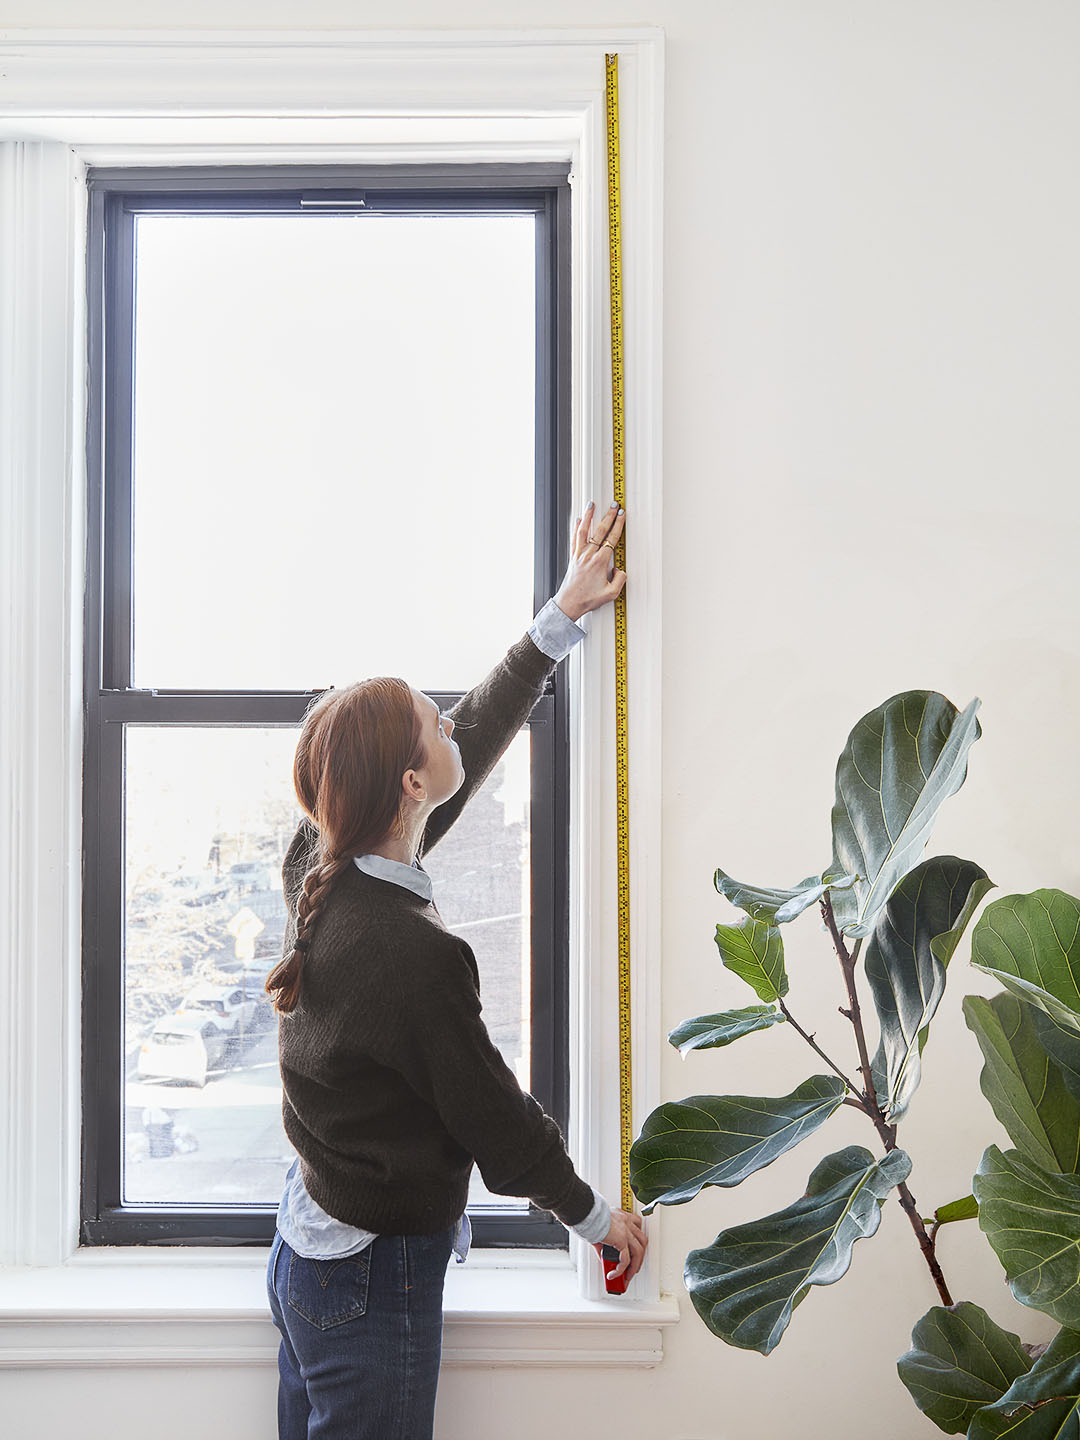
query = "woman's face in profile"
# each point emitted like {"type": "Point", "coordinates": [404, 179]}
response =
{"type": "Point", "coordinates": [443, 773]}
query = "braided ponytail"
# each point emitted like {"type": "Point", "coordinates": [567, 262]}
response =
{"type": "Point", "coordinates": [355, 745]}
{"type": "Point", "coordinates": [318, 882]}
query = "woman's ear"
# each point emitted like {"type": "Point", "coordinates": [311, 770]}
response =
{"type": "Point", "coordinates": [413, 787]}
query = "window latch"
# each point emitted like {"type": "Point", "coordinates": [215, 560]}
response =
{"type": "Point", "coordinates": [333, 200]}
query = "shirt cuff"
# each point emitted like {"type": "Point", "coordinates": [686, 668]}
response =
{"type": "Point", "coordinates": [597, 1223]}
{"type": "Point", "coordinates": [555, 634]}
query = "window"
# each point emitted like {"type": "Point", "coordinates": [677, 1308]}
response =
{"type": "Point", "coordinates": [328, 428]}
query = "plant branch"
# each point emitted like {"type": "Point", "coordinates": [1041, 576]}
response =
{"type": "Point", "coordinates": [830, 921]}
{"type": "Point", "coordinates": [926, 1242]}
{"type": "Point", "coordinates": [886, 1131]}
{"type": "Point", "coordinates": [860, 1101]}
{"type": "Point", "coordinates": [854, 1014]}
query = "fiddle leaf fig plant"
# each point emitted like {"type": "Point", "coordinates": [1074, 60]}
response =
{"type": "Point", "coordinates": [901, 763]}
{"type": "Point", "coordinates": [906, 959]}
{"type": "Point", "coordinates": [904, 916]}
{"type": "Point", "coordinates": [960, 1361]}
{"type": "Point", "coordinates": [748, 1281]}
{"type": "Point", "coordinates": [720, 1140]}
{"type": "Point", "coordinates": [1032, 947]}
{"type": "Point", "coordinates": [709, 1032]}
{"type": "Point", "coordinates": [1027, 1199]}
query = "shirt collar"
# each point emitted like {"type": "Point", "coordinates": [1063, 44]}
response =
{"type": "Point", "coordinates": [411, 877]}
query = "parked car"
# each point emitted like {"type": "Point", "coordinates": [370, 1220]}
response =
{"type": "Point", "coordinates": [183, 1047]}
{"type": "Point", "coordinates": [232, 1007]}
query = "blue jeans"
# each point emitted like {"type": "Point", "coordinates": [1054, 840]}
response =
{"type": "Point", "coordinates": [361, 1338]}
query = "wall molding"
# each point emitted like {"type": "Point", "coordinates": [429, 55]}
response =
{"type": "Point", "coordinates": [141, 1312]}
{"type": "Point", "coordinates": [42, 421]}
{"type": "Point", "coordinates": [160, 1344]}
{"type": "Point", "coordinates": [73, 99]}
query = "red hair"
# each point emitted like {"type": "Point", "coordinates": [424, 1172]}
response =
{"type": "Point", "coordinates": [355, 745]}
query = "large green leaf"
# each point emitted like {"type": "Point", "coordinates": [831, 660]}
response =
{"type": "Point", "coordinates": [754, 950]}
{"type": "Point", "coordinates": [721, 1139]}
{"type": "Point", "coordinates": [901, 763]}
{"type": "Point", "coordinates": [747, 1282]}
{"type": "Point", "coordinates": [709, 1032]}
{"type": "Point", "coordinates": [1032, 1219]}
{"type": "Point", "coordinates": [933, 902]}
{"type": "Point", "coordinates": [779, 906]}
{"type": "Point", "coordinates": [1031, 944]}
{"type": "Point", "coordinates": [1044, 1404]}
{"type": "Point", "coordinates": [959, 1361]}
{"type": "Point", "coordinates": [1062, 1044]}
{"type": "Point", "coordinates": [1024, 1086]}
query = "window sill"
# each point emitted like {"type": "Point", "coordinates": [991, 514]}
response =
{"type": "Point", "coordinates": [516, 1308]}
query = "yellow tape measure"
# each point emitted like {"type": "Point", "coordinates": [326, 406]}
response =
{"type": "Point", "coordinates": [622, 785]}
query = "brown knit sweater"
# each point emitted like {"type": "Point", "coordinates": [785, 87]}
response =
{"type": "Point", "coordinates": [391, 1084]}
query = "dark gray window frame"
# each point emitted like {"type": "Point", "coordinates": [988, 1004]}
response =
{"type": "Point", "coordinates": [110, 702]}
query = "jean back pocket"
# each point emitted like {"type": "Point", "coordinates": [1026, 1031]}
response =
{"type": "Point", "coordinates": [329, 1292]}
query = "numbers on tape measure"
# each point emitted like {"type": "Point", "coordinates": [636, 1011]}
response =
{"type": "Point", "coordinates": [622, 800]}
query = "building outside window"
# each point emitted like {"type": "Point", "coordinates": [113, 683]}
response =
{"type": "Point", "coordinates": [328, 438]}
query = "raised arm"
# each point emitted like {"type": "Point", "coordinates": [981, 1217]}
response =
{"type": "Point", "coordinates": [486, 720]}
{"type": "Point", "coordinates": [491, 714]}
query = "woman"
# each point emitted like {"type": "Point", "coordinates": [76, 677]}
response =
{"type": "Point", "coordinates": [392, 1088]}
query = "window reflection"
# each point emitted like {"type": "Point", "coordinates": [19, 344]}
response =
{"type": "Point", "coordinates": [209, 814]}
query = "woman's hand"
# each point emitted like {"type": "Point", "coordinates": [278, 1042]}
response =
{"type": "Point", "coordinates": [627, 1234]}
{"type": "Point", "coordinates": [591, 579]}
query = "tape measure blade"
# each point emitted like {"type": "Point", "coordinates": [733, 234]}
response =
{"type": "Point", "coordinates": [618, 454]}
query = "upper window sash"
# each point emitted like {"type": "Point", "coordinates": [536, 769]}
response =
{"type": "Point", "coordinates": [118, 198]}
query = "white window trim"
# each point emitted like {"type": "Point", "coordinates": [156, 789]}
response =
{"type": "Point", "coordinates": [73, 99]}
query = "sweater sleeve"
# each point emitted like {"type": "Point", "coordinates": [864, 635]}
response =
{"type": "Point", "coordinates": [489, 717]}
{"type": "Point", "coordinates": [445, 1052]}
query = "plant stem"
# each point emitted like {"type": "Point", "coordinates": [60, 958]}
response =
{"type": "Point", "coordinates": [926, 1245]}
{"type": "Point", "coordinates": [853, 1013]}
{"type": "Point", "coordinates": [886, 1131]}
{"type": "Point", "coordinates": [815, 1046]}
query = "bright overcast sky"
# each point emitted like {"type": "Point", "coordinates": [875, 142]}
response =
{"type": "Point", "coordinates": [333, 448]}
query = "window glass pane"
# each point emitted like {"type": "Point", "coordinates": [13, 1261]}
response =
{"type": "Point", "coordinates": [209, 814]}
{"type": "Point", "coordinates": [333, 453]}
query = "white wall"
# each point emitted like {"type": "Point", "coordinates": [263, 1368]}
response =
{"type": "Point", "coordinates": [871, 355]}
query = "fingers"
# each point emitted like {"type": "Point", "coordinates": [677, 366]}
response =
{"type": "Point", "coordinates": [581, 530]}
{"type": "Point", "coordinates": [593, 529]}
{"type": "Point", "coordinates": [628, 1235]}
{"type": "Point", "coordinates": [591, 578]}
{"type": "Point", "coordinates": [610, 526]}
{"type": "Point", "coordinates": [607, 533]}
{"type": "Point", "coordinates": [631, 1258]}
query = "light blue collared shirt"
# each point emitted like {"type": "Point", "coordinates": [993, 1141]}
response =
{"type": "Point", "coordinates": [306, 1227]}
